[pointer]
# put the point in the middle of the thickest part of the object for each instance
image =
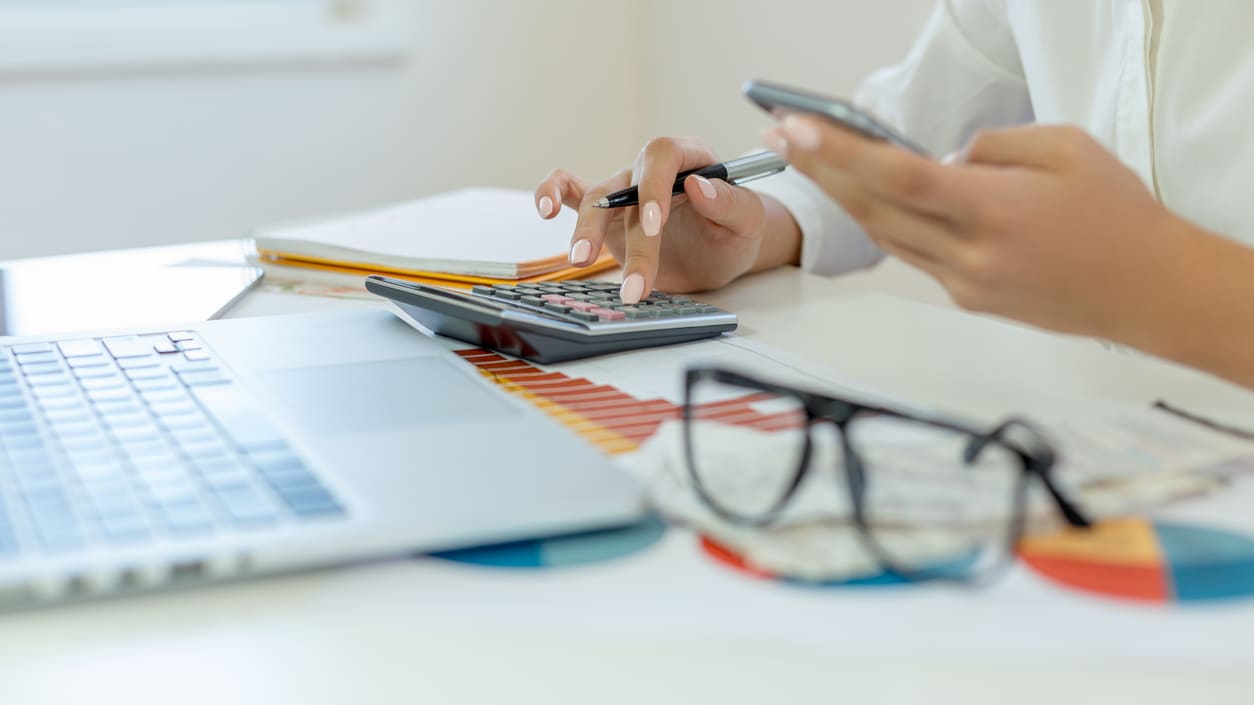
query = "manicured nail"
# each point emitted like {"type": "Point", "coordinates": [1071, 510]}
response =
{"type": "Point", "coordinates": [545, 206]}
{"type": "Point", "coordinates": [579, 253]}
{"type": "Point", "coordinates": [775, 141]}
{"type": "Point", "coordinates": [707, 188]}
{"type": "Point", "coordinates": [633, 289]}
{"type": "Point", "coordinates": [800, 133]}
{"type": "Point", "coordinates": [651, 219]}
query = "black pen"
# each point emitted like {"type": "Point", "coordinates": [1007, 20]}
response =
{"type": "Point", "coordinates": [736, 171]}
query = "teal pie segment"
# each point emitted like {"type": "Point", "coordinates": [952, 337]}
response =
{"type": "Point", "coordinates": [563, 551]}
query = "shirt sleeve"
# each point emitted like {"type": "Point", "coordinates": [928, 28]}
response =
{"type": "Point", "coordinates": [961, 75]}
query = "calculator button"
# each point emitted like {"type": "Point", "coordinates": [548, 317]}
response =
{"type": "Point", "coordinates": [503, 287]}
{"type": "Point", "coordinates": [508, 295]}
{"type": "Point", "coordinates": [556, 298]}
{"type": "Point", "coordinates": [485, 290]}
{"type": "Point", "coordinates": [582, 305]}
{"type": "Point", "coordinates": [584, 316]}
{"type": "Point", "coordinates": [559, 308]}
{"type": "Point", "coordinates": [532, 300]}
{"type": "Point", "coordinates": [609, 314]}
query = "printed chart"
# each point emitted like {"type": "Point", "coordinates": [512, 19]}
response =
{"type": "Point", "coordinates": [1136, 559]}
{"type": "Point", "coordinates": [1149, 561]}
{"type": "Point", "coordinates": [606, 416]}
{"type": "Point", "coordinates": [728, 558]}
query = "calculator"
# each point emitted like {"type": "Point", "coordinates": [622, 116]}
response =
{"type": "Point", "coordinates": [553, 321]}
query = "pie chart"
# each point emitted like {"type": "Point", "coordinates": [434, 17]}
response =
{"type": "Point", "coordinates": [1148, 561]}
{"type": "Point", "coordinates": [728, 558]}
{"type": "Point", "coordinates": [563, 551]}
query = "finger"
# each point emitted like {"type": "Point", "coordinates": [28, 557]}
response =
{"type": "Point", "coordinates": [640, 259]}
{"type": "Point", "coordinates": [926, 239]}
{"type": "Point", "coordinates": [659, 163]}
{"type": "Point", "coordinates": [737, 209]}
{"type": "Point", "coordinates": [557, 189]}
{"type": "Point", "coordinates": [1042, 146]}
{"type": "Point", "coordinates": [890, 172]}
{"type": "Point", "coordinates": [592, 224]}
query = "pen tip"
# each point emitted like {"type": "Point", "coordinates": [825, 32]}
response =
{"type": "Point", "coordinates": [603, 203]}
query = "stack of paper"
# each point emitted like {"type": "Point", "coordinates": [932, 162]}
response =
{"type": "Point", "coordinates": [472, 236]}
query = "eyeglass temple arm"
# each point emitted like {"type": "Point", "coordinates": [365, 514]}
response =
{"type": "Point", "coordinates": [1039, 462]}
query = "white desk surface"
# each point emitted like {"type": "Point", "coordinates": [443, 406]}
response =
{"type": "Point", "coordinates": [653, 627]}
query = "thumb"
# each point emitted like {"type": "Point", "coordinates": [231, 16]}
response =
{"type": "Point", "coordinates": [1042, 146]}
{"type": "Point", "coordinates": [737, 209]}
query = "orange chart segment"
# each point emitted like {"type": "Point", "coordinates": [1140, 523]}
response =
{"type": "Point", "coordinates": [609, 418]}
{"type": "Point", "coordinates": [1148, 561]}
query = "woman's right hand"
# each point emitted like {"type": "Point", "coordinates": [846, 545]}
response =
{"type": "Point", "coordinates": [702, 239]}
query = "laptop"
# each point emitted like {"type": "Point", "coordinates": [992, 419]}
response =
{"type": "Point", "coordinates": [142, 459]}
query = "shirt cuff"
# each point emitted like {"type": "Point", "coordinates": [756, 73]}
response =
{"type": "Point", "coordinates": [831, 241]}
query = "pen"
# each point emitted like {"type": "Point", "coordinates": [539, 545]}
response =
{"type": "Point", "coordinates": [736, 171]}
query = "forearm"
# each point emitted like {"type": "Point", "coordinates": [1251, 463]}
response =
{"type": "Point", "coordinates": [781, 238]}
{"type": "Point", "coordinates": [1199, 304]}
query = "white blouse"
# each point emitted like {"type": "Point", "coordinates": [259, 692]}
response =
{"type": "Point", "coordinates": [1166, 85]}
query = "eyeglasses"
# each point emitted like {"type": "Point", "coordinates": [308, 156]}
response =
{"type": "Point", "coordinates": [932, 499]}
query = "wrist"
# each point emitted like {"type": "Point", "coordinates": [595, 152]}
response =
{"type": "Point", "coordinates": [1197, 301]}
{"type": "Point", "coordinates": [779, 243]}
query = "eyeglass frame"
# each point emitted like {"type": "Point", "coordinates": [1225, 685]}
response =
{"type": "Point", "coordinates": [1037, 458]}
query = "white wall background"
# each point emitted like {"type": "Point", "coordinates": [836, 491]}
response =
{"type": "Point", "coordinates": [493, 92]}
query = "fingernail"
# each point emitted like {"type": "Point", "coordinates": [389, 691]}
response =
{"type": "Point", "coordinates": [775, 141]}
{"type": "Point", "coordinates": [633, 289]}
{"type": "Point", "coordinates": [579, 253]}
{"type": "Point", "coordinates": [651, 219]}
{"type": "Point", "coordinates": [707, 188]}
{"type": "Point", "coordinates": [800, 133]}
{"type": "Point", "coordinates": [545, 206]}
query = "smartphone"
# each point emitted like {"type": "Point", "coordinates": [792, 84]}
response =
{"type": "Point", "coordinates": [781, 100]}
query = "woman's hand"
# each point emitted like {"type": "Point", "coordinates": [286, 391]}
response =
{"type": "Point", "coordinates": [701, 239]}
{"type": "Point", "coordinates": [1039, 224]}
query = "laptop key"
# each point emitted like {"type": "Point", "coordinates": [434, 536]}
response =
{"type": "Point", "coordinates": [100, 360]}
{"type": "Point", "coordinates": [125, 528]}
{"type": "Point", "coordinates": [139, 361]}
{"type": "Point", "coordinates": [311, 501]}
{"type": "Point", "coordinates": [127, 346]}
{"type": "Point", "coordinates": [187, 517]}
{"type": "Point", "coordinates": [18, 414]}
{"type": "Point", "coordinates": [31, 347]}
{"type": "Point", "coordinates": [247, 506]}
{"type": "Point", "coordinates": [80, 348]}
{"type": "Point", "coordinates": [203, 378]}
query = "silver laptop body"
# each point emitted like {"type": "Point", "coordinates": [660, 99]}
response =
{"type": "Point", "coordinates": [136, 460]}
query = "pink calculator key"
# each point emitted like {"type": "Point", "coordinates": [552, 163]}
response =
{"type": "Point", "coordinates": [582, 305]}
{"type": "Point", "coordinates": [608, 314]}
{"type": "Point", "coordinates": [557, 299]}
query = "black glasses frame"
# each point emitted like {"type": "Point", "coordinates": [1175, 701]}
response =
{"type": "Point", "coordinates": [1036, 459]}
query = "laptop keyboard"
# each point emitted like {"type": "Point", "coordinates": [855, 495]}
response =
{"type": "Point", "coordinates": [138, 438]}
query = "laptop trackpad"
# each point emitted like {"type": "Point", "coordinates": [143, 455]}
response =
{"type": "Point", "coordinates": [375, 396]}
